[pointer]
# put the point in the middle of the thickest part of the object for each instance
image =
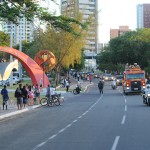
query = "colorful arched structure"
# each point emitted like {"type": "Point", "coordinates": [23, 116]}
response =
{"type": "Point", "coordinates": [35, 72]}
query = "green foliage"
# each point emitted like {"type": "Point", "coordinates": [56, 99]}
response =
{"type": "Point", "coordinates": [13, 10]}
{"type": "Point", "coordinates": [131, 47]}
{"type": "Point", "coordinates": [4, 39]}
{"type": "Point", "coordinates": [28, 48]}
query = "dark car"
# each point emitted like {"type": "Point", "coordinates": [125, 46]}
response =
{"type": "Point", "coordinates": [119, 79]}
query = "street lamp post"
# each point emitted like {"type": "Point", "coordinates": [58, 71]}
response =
{"type": "Point", "coordinates": [11, 58]}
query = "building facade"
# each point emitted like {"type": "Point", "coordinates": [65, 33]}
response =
{"type": "Point", "coordinates": [143, 16]}
{"type": "Point", "coordinates": [87, 8]}
{"type": "Point", "coordinates": [117, 32]}
{"type": "Point", "coordinates": [21, 32]}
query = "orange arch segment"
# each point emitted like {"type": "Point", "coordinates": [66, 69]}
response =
{"type": "Point", "coordinates": [32, 68]}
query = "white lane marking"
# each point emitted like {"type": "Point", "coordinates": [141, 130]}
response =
{"type": "Point", "coordinates": [62, 130]}
{"type": "Point", "coordinates": [80, 117]}
{"type": "Point", "coordinates": [115, 143]}
{"type": "Point", "coordinates": [125, 100]}
{"type": "Point", "coordinates": [74, 121]}
{"type": "Point", "coordinates": [125, 108]}
{"type": "Point", "coordinates": [123, 119]}
{"type": "Point", "coordinates": [69, 125]}
{"type": "Point", "coordinates": [53, 136]}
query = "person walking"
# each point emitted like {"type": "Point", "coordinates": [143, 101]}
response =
{"type": "Point", "coordinates": [100, 86]}
{"type": "Point", "coordinates": [5, 96]}
{"type": "Point", "coordinates": [25, 96]}
{"type": "Point", "coordinates": [67, 85]}
{"type": "Point", "coordinates": [90, 78]}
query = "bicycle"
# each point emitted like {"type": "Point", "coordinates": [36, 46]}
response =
{"type": "Point", "coordinates": [50, 100]}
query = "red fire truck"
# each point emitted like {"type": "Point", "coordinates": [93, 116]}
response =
{"type": "Point", "coordinates": [133, 79]}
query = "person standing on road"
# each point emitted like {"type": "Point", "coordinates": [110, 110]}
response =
{"type": "Point", "coordinates": [101, 86]}
{"type": "Point", "coordinates": [48, 91]}
{"type": "Point", "coordinates": [5, 96]}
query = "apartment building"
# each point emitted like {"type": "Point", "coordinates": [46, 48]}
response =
{"type": "Point", "coordinates": [143, 16]}
{"type": "Point", "coordinates": [117, 32]}
{"type": "Point", "coordinates": [87, 8]}
{"type": "Point", "coordinates": [21, 32]}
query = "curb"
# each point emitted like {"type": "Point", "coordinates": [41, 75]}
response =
{"type": "Point", "coordinates": [32, 107]}
{"type": "Point", "coordinates": [18, 112]}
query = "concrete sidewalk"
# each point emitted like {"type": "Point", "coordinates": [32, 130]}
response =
{"type": "Point", "coordinates": [12, 107]}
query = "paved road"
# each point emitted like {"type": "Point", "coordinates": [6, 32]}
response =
{"type": "Point", "coordinates": [88, 121]}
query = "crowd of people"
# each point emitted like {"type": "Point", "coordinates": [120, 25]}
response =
{"type": "Point", "coordinates": [25, 95]}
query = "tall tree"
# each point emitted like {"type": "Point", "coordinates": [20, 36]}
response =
{"type": "Point", "coordinates": [130, 47]}
{"type": "Point", "coordinates": [13, 10]}
{"type": "Point", "coordinates": [4, 41]}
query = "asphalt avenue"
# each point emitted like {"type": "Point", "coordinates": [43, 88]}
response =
{"type": "Point", "coordinates": [87, 121]}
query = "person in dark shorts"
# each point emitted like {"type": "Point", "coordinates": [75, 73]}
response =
{"type": "Point", "coordinates": [25, 96]}
{"type": "Point", "coordinates": [19, 96]}
{"type": "Point", "coordinates": [5, 96]}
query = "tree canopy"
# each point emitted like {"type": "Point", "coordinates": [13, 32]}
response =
{"type": "Point", "coordinates": [13, 10]}
{"type": "Point", "coordinates": [131, 47]}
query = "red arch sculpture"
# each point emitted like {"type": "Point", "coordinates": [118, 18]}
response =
{"type": "Point", "coordinates": [32, 68]}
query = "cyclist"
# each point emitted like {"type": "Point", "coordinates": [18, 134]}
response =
{"type": "Point", "coordinates": [50, 91]}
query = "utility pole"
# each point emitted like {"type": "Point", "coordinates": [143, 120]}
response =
{"type": "Point", "coordinates": [20, 49]}
{"type": "Point", "coordinates": [11, 58]}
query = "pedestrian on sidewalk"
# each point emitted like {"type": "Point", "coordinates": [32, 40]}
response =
{"type": "Point", "coordinates": [78, 76]}
{"type": "Point", "coordinates": [90, 78]}
{"type": "Point", "coordinates": [37, 94]}
{"type": "Point", "coordinates": [30, 96]}
{"type": "Point", "coordinates": [5, 96]}
{"type": "Point", "coordinates": [25, 96]}
{"type": "Point", "coordinates": [19, 97]}
{"type": "Point", "coordinates": [67, 85]}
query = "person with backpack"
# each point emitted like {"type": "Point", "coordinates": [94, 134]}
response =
{"type": "Point", "coordinates": [19, 96]}
{"type": "Point", "coordinates": [5, 96]}
{"type": "Point", "coordinates": [101, 86]}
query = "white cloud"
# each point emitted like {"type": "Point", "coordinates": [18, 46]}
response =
{"type": "Point", "coordinates": [116, 13]}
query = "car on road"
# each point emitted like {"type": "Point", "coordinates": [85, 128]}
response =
{"type": "Point", "coordinates": [119, 79]}
{"type": "Point", "coordinates": [108, 77]}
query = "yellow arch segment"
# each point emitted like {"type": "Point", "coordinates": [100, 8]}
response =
{"type": "Point", "coordinates": [9, 69]}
